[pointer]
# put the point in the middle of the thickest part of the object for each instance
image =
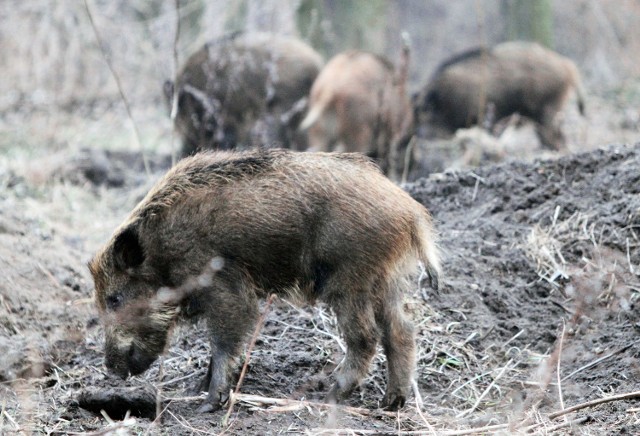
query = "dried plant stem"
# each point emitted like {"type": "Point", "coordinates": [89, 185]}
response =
{"type": "Point", "coordinates": [15, 424]}
{"type": "Point", "coordinates": [595, 362]}
{"type": "Point", "coordinates": [558, 365]}
{"type": "Point", "coordinates": [159, 408]}
{"type": "Point", "coordinates": [287, 405]}
{"type": "Point", "coordinates": [184, 423]}
{"type": "Point", "coordinates": [351, 431]}
{"type": "Point", "coordinates": [627, 396]}
{"type": "Point", "coordinates": [114, 427]}
{"type": "Point", "coordinates": [116, 77]}
{"type": "Point", "coordinates": [486, 391]}
{"type": "Point", "coordinates": [420, 405]}
{"type": "Point", "coordinates": [248, 358]}
{"type": "Point", "coordinates": [407, 159]}
{"type": "Point", "coordinates": [174, 97]}
{"type": "Point", "coordinates": [580, 420]}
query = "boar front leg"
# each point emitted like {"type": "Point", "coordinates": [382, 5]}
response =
{"type": "Point", "coordinates": [231, 312]}
{"type": "Point", "coordinates": [216, 382]}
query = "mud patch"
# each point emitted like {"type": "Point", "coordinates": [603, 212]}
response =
{"type": "Point", "coordinates": [118, 403]}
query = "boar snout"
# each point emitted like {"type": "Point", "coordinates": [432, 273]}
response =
{"type": "Point", "coordinates": [139, 360]}
{"type": "Point", "coordinates": [131, 361]}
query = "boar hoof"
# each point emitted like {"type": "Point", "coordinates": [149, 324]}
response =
{"type": "Point", "coordinates": [208, 407]}
{"type": "Point", "coordinates": [214, 402]}
{"type": "Point", "coordinates": [393, 401]}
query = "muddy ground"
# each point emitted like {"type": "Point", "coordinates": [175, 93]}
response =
{"type": "Point", "coordinates": [538, 312]}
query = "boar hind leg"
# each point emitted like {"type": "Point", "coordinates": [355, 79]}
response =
{"type": "Point", "coordinates": [232, 308]}
{"type": "Point", "coordinates": [357, 322]}
{"type": "Point", "coordinates": [549, 131]}
{"type": "Point", "coordinates": [399, 346]}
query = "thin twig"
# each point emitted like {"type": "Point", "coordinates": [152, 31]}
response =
{"type": "Point", "coordinates": [486, 391]}
{"type": "Point", "coordinates": [407, 159]}
{"type": "Point", "coordinates": [174, 88]}
{"type": "Point", "coordinates": [177, 379]}
{"type": "Point", "coordinates": [282, 403]}
{"type": "Point", "coordinates": [629, 258]}
{"type": "Point", "coordinates": [627, 396]}
{"type": "Point", "coordinates": [595, 362]}
{"type": "Point", "coordinates": [109, 430]}
{"type": "Point", "coordinates": [113, 427]}
{"type": "Point", "coordinates": [159, 392]}
{"type": "Point", "coordinates": [183, 422]}
{"type": "Point", "coordinates": [419, 405]}
{"type": "Point", "coordinates": [120, 90]}
{"type": "Point", "coordinates": [558, 365]}
{"type": "Point", "coordinates": [576, 421]}
{"type": "Point", "coordinates": [256, 332]}
{"type": "Point", "coordinates": [15, 424]}
{"type": "Point", "coordinates": [351, 431]}
{"type": "Point", "coordinates": [157, 418]}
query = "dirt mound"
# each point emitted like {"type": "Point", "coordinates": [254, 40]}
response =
{"type": "Point", "coordinates": [531, 251]}
{"type": "Point", "coordinates": [532, 248]}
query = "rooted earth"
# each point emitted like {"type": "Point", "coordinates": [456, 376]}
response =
{"type": "Point", "coordinates": [538, 312]}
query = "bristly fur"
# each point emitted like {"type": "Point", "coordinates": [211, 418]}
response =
{"type": "Point", "coordinates": [314, 226]}
{"type": "Point", "coordinates": [484, 85]}
{"type": "Point", "coordinates": [226, 89]}
{"type": "Point", "coordinates": [207, 169]}
{"type": "Point", "coordinates": [358, 103]}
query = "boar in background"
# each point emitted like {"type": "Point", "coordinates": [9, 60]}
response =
{"type": "Point", "coordinates": [359, 103]}
{"type": "Point", "coordinates": [241, 90]}
{"type": "Point", "coordinates": [489, 84]}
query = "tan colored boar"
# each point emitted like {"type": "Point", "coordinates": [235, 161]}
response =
{"type": "Point", "coordinates": [358, 104]}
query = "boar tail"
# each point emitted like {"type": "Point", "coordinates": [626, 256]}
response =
{"type": "Point", "coordinates": [576, 81]}
{"type": "Point", "coordinates": [315, 112]}
{"type": "Point", "coordinates": [580, 101]}
{"type": "Point", "coordinates": [426, 244]}
{"type": "Point", "coordinates": [580, 95]}
{"type": "Point", "coordinates": [311, 118]}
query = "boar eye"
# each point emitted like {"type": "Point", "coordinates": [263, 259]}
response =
{"type": "Point", "coordinates": [114, 301]}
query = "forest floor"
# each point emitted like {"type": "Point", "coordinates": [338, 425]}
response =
{"type": "Point", "coordinates": [538, 311]}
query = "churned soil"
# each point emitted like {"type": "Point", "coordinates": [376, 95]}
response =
{"type": "Point", "coordinates": [538, 311]}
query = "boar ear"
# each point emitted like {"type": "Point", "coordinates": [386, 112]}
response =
{"type": "Point", "coordinates": [127, 250]}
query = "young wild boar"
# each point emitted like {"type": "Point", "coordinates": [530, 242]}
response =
{"type": "Point", "coordinates": [513, 77]}
{"type": "Point", "coordinates": [358, 104]}
{"type": "Point", "coordinates": [316, 226]}
{"type": "Point", "coordinates": [241, 89]}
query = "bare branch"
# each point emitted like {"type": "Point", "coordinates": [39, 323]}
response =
{"type": "Point", "coordinates": [120, 89]}
{"type": "Point", "coordinates": [627, 396]}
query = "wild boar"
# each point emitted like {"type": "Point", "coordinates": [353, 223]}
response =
{"type": "Point", "coordinates": [311, 226]}
{"type": "Point", "coordinates": [513, 77]}
{"type": "Point", "coordinates": [358, 103]}
{"type": "Point", "coordinates": [243, 89]}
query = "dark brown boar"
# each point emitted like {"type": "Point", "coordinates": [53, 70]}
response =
{"type": "Point", "coordinates": [513, 77]}
{"type": "Point", "coordinates": [358, 103]}
{"type": "Point", "coordinates": [314, 226]}
{"type": "Point", "coordinates": [241, 89]}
